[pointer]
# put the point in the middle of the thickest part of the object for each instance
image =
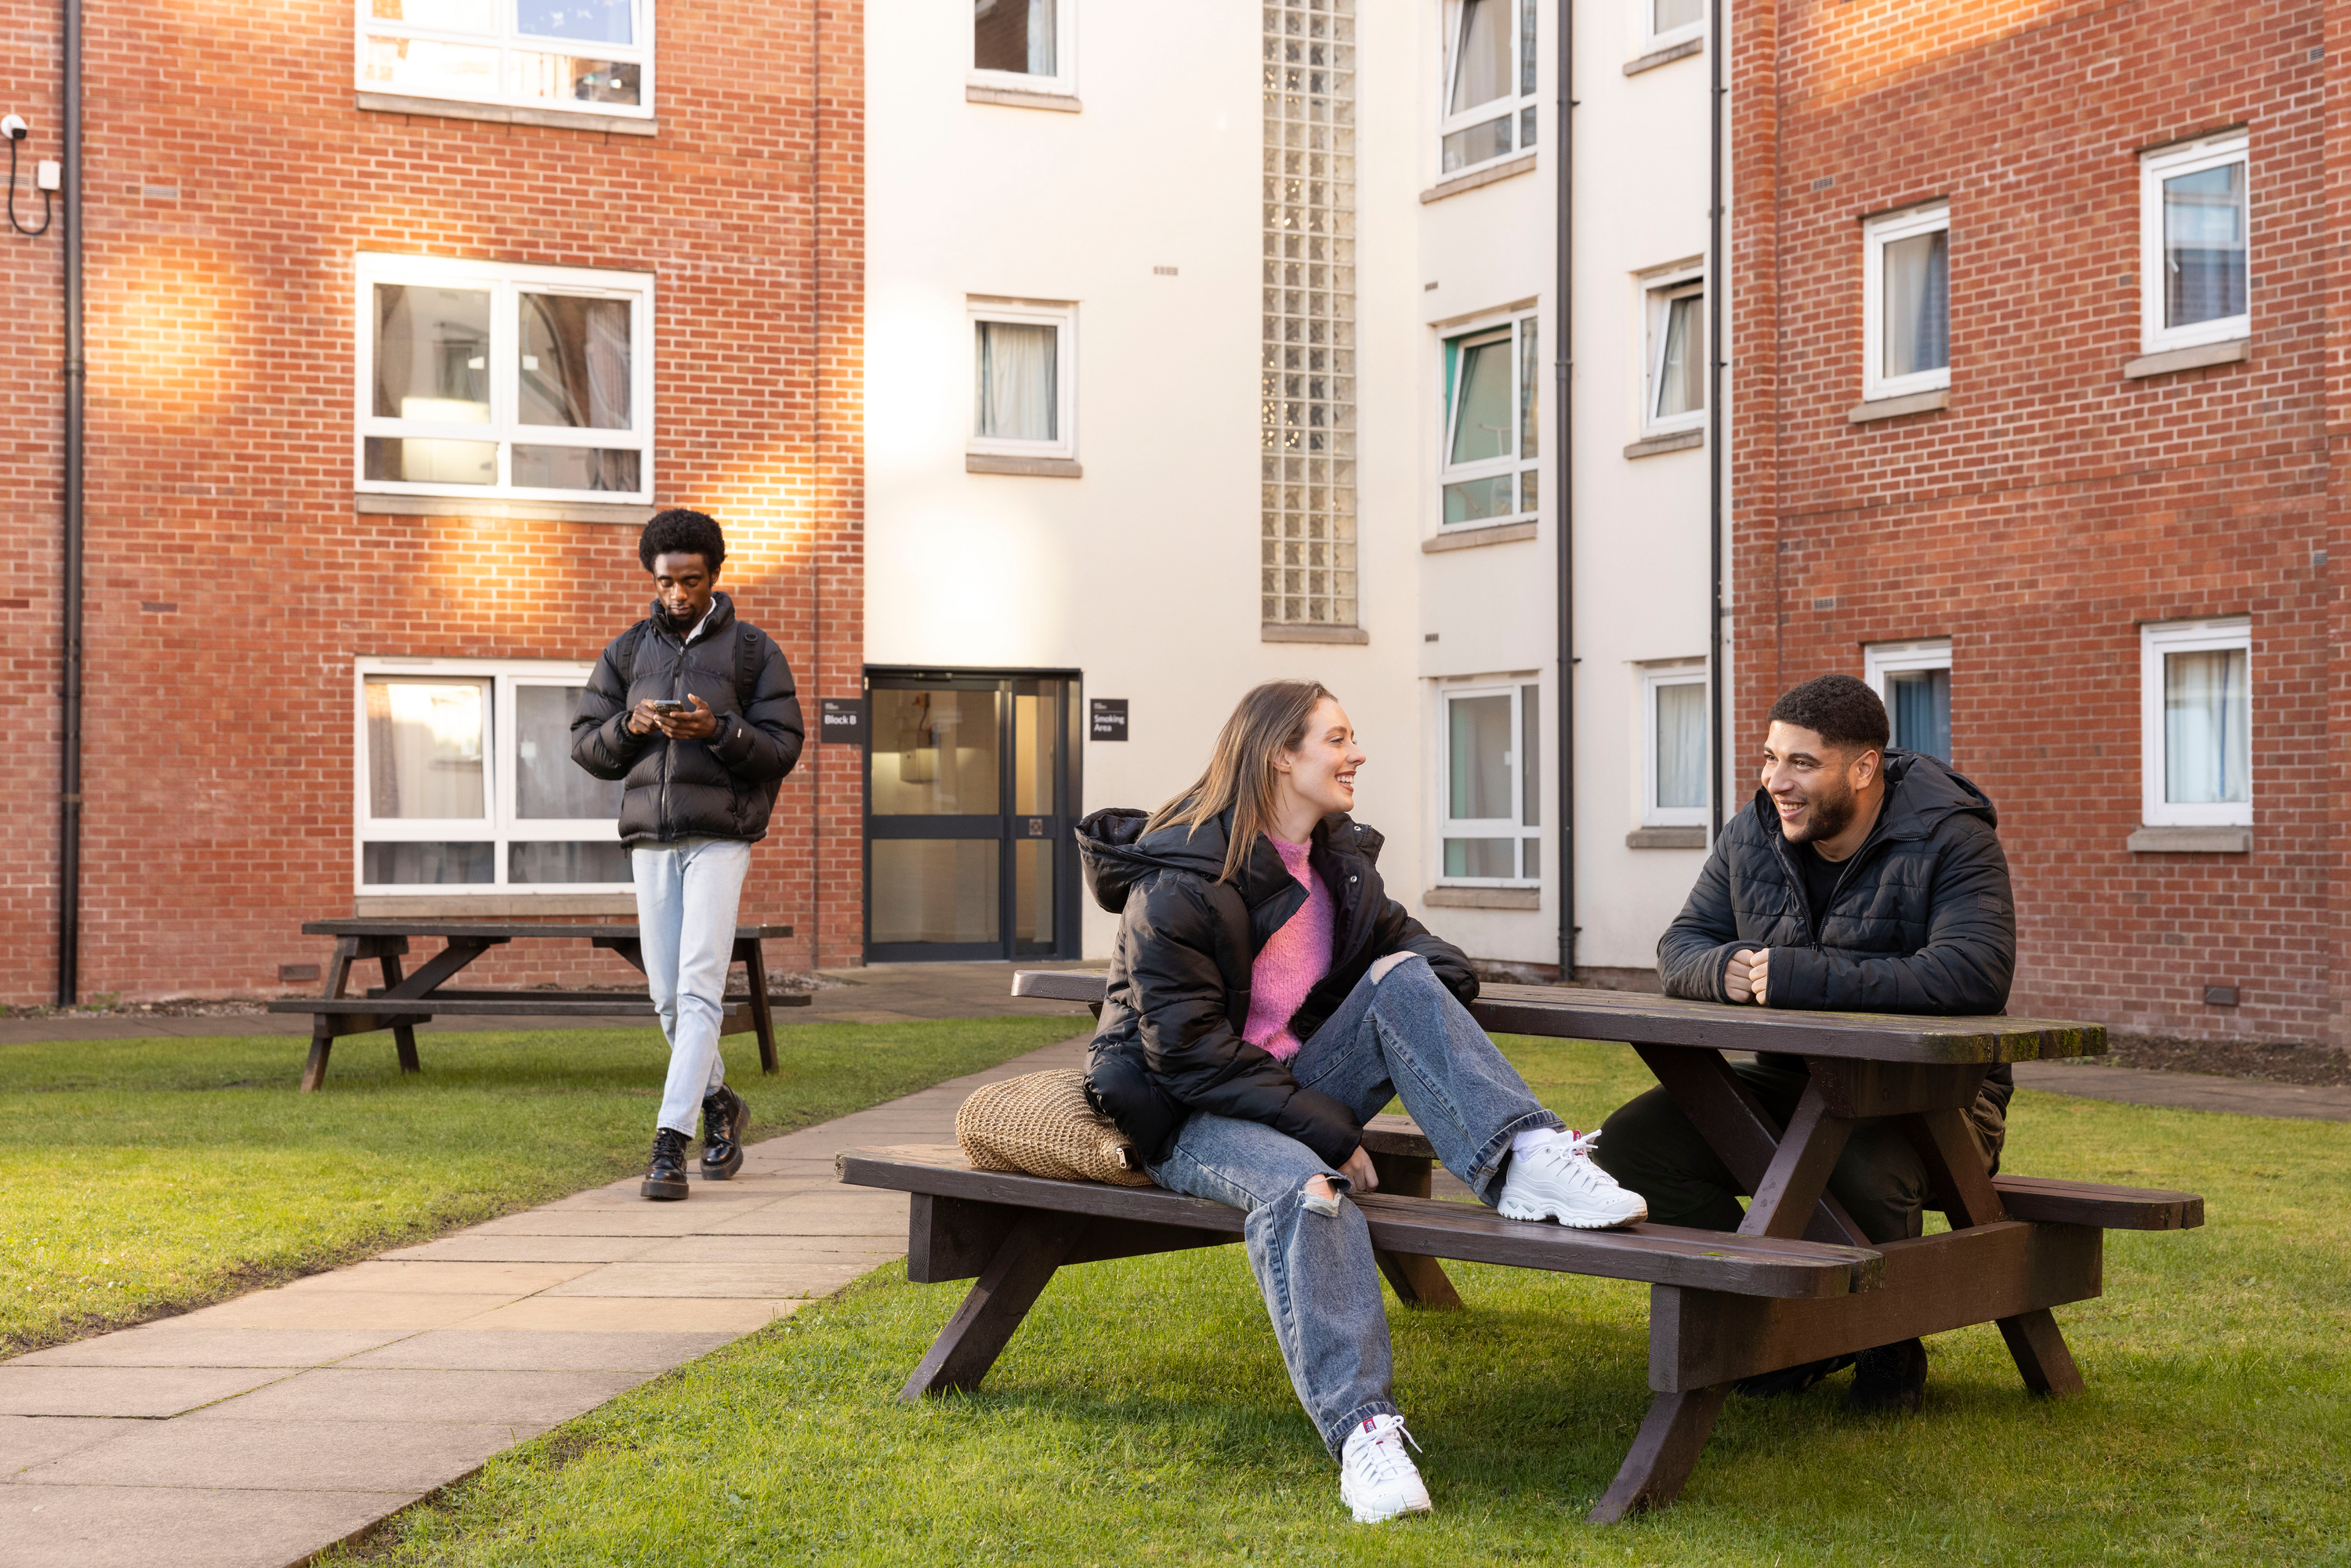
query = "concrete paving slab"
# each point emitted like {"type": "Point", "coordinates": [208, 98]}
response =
{"type": "Point", "coordinates": [282, 1456]}
{"type": "Point", "coordinates": [36, 1439]}
{"type": "Point", "coordinates": [610, 1314]}
{"type": "Point", "coordinates": [469, 1246]}
{"type": "Point", "coordinates": [169, 1344]}
{"type": "Point", "coordinates": [401, 1309]}
{"type": "Point", "coordinates": [880, 1214]}
{"type": "Point", "coordinates": [139, 1526]}
{"type": "Point", "coordinates": [651, 1219]}
{"type": "Point", "coordinates": [731, 1252]}
{"type": "Point", "coordinates": [543, 1350]}
{"type": "Point", "coordinates": [533, 1398]}
{"type": "Point", "coordinates": [2187, 1090]}
{"type": "Point", "coordinates": [150, 1392]}
{"type": "Point", "coordinates": [807, 1276]}
{"type": "Point", "coordinates": [441, 1278]}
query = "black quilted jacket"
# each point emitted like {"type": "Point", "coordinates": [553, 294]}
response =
{"type": "Point", "coordinates": [722, 788]}
{"type": "Point", "coordinates": [1170, 1039]}
{"type": "Point", "coordinates": [1922, 920]}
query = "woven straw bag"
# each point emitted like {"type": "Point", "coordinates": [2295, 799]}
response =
{"type": "Point", "coordinates": [1040, 1124]}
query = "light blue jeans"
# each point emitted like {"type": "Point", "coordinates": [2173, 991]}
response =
{"type": "Point", "coordinates": [686, 897]}
{"type": "Point", "coordinates": [1404, 1035]}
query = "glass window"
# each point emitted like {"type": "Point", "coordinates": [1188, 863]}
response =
{"type": "Point", "coordinates": [591, 56]}
{"type": "Point", "coordinates": [1907, 303]}
{"type": "Point", "coordinates": [2197, 221]}
{"type": "Point", "coordinates": [1674, 390]}
{"type": "Point", "coordinates": [1490, 66]}
{"type": "Point", "coordinates": [1914, 679]}
{"type": "Point", "coordinates": [466, 780]}
{"type": "Point", "coordinates": [1493, 424]}
{"type": "Point", "coordinates": [1492, 794]}
{"type": "Point", "coordinates": [1667, 17]}
{"type": "Point", "coordinates": [484, 378]}
{"type": "Point", "coordinates": [1675, 724]}
{"type": "Point", "coordinates": [1015, 35]}
{"type": "Point", "coordinates": [2197, 705]}
{"type": "Point", "coordinates": [1022, 362]}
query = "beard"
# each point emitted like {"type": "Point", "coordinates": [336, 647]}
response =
{"type": "Point", "coordinates": [1825, 815]}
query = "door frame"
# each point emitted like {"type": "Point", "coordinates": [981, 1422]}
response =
{"type": "Point", "coordinates": [1067, 881]}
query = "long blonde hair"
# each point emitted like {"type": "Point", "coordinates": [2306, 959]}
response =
{"type": "Point", "coordinates": [1240, 775]}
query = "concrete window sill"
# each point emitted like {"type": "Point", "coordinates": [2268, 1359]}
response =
{"type": "Point", "coordinates": [2194, 358]}
{"type": "Point", "coordinates": [1896, 407]}
{"type": "Point", "coordinates": [1678, 441]}
{"type": "Point", "coordinates": [1013, 98]}
{"type": "Point", "coordinates": [1470, 539]}
{"type": "Point", "coordinates": [2191, 840]}
{"type": "Point", "coordinates": [1483, 898]}
{"type": "Point", "coordinates": [1034, 467]}
{"type": "Point", "coordinates": [489, 907]}
{"type": "Point", "coordinates": [489, 508]}
{"type": "Point", "coordinates": [1665, 839]}
{"type": "Point", "coordinates": [1277, 632]}
{"type": "Point", "coordinates": [1444, 188]}
{"type": "Point", "coordinates": [503, 114]}
{"type": "Point", "coordinates": [1666, 56]}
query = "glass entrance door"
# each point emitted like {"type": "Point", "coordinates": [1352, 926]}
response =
{"type": "Point", "coordinates": [969, 804]}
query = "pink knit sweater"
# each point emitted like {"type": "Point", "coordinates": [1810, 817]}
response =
{"type": "Point", "coordinates": [1293, 962]}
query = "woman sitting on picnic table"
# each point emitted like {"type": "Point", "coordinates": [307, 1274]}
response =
{"type": "Point", "coordinates": [1266, 997]}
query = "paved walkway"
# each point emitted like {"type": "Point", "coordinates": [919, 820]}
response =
{"type": "Point", "coordinates": [255, 1433]}
{"type": "Point", "coordinates": [2187, 1090]}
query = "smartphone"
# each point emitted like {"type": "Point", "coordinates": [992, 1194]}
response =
{"type": "Point", "coordinates": [664, 704]}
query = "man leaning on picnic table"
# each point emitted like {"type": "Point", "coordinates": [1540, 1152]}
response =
{"type": "Point", "coordinates": [1860, 879]}
{"type": "Point", "coordinates": [697, 711]}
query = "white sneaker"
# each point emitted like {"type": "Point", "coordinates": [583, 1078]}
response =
{"type": "Point", "coordinates": [1559, 1181]}
{"type": "Point", "coordinates": [1376, 1476]}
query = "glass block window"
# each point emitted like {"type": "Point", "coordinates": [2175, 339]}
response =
{"type": "Point", "coordinates": [1307, 373]}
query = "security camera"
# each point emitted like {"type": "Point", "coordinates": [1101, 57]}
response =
{"type": "Point", "coordinates": [15, 129]}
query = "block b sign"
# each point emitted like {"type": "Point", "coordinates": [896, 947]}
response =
{"type": "Point", "coordinates": [840, 721]}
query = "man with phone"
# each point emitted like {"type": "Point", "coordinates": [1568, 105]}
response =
{"type": "Point", "coordinates": [697, 712]}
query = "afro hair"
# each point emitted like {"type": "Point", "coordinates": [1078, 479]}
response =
{"type": "Point", "coordinates": [678, 531]}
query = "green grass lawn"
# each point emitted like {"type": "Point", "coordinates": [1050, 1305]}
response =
{"type": "Point", "coordinates": [144, 1175]}
{"type": "Point", "coordinates": [1142, 1415]}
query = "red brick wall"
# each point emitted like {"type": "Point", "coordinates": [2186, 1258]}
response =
{"type": "Point", "coordinates": [2055, 505]}
{"type": "Point", "coordinates": [220, 733]}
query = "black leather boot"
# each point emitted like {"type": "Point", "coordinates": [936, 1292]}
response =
{"type": "Point", "coordinates": [1792, 1379]}
{"type": "Point", "coordinates": [1891, 1377]}
{"type": "Point", "coordinates": [665, 1177]}
{"type": "Point", "coordinates": [724, 1117]}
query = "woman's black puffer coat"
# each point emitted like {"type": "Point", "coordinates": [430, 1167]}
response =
{"type": "Point", "coordinates": [722, 788]}
{"type": "Point", "coordinates": [1170, 1039]}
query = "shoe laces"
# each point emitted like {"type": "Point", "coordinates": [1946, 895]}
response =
{"type": "Point", "coordinates": [669, 1141]}
{"type": "Point", "coordinates": [1571, 1152]}
{"type": "Point", "coordinates": [1380, 1459]}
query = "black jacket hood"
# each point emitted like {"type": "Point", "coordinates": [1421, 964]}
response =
{"type": "Point", "coordinates": [1116, 852]}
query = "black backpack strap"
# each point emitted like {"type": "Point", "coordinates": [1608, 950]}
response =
{"type": "Point", "coordinates": [625, 663]}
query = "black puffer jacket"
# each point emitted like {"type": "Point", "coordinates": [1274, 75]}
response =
{"type": "Point", "coordinates": [1922, 920]}
{"type": "Point", "coordinates": [1170, 1039]}
{"type": "Point", "coordinates": [722, 788]}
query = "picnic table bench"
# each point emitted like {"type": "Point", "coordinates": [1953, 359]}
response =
{"type": "Point", "coordinates": [403, 1001]}
{"type": "Point", "coordinates": [1797, 1282]}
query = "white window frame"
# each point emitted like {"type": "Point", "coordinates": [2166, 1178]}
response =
{"type": "Point", "coordinates": [1514, 105]}
{"type": "Point", "coordinates": [1651, 40]}
{"type": "Point", "coordinates": [510, 40]}
{"type": "Point", "coordinates": [2154, 168]}
{"type": "Point", "coordinates": [506, 283]}
{"type": "Point", "coordinates": [1687, 672]}
{"type": "Point", "coordinates": [1513, 827]}
{"type": "Point", "coordinates": [498, 827]}
{"type": "Point", "coordinates": [1880, 661]}
{"type": "Point", "coordinates": [1658, 290]}
{"type": "Point", "coordinates": [1876, 235]}
{"type": "Point", "coordinates": [2235, 632]}
{"type": "Point", "coordinates": [1062, 83]}
{"type": "Point", "coordinates": [1514, 462]}
{"type": "Point", "coordinates": [1026, 313]}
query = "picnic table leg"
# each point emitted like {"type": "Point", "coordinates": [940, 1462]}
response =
{"type": "Point", "coordinates": [322, 1025]}
{"type": "Point", "coordinates": [403, 1036]}
{"type": "Point", "coordinates": [1015, 1277]}
{"type": "Point", "coordinates": [1736, 1127]}
{"type": "Point", "coordinates": [1792, 1184]}
{"type": "Point", "coordinates": [1955, 1169]}
{"type": "Point", "coordinates": [1417, 1281]}
{"type": "Point", "coordinates": [1664, 1453]}
{"type": "Point", "coordinates": [763, 1016]}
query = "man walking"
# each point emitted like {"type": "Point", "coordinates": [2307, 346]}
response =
{"type": "Point", "coordinates": [1861, 879]}
{"type": "Point", "coordinates": [696, 710]}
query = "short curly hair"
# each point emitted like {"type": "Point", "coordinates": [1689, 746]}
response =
{"type": "Point", "coordinates": [679, 531]}
{"type": "Point", "coordinates": [1841, 710]}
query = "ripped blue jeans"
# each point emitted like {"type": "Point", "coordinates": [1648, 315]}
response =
{"type": "Point", "coordinates": [1404, 1035]}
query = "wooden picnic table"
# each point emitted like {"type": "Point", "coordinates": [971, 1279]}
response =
{"type": "Point", "coordinates": [403, 1001]}
{"type": "Point", "coordinates": [1797, 1282]}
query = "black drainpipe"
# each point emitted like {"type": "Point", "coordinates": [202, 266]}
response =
{"type": "Point", "coordinates": [1565, 504]}
{"type": "Point", "coordinates": [69, 773]}
{"type": "Point", "coordinates": [1718, 283]}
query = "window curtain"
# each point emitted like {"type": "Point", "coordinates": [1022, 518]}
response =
{"type": "Point", "coordinates": [1681, 745]}
{"type": "Point", "coordinates": [547, 784]}
{"type": "Point", "coordinates": [2204, 245]}
{"type": "Point", "coordinates": [1482, 64]}
{"type": "Point", "coordinates": [1480, 747]}
{"type": "Point", "coordinates": [1922, 712]}
{"type": "Point", "coordinates": [1019, 382]}
{"type": "Point", "coordinates": [2207, 732]}
{"type": "Point", "coordinates": [575, 367]}
{"type": "Point", "coordinates": [425, 749]}
{"type": "Point", "coordinates": [1918, 304]}
{"type": "Point", "coordinates": [1681, 369]}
